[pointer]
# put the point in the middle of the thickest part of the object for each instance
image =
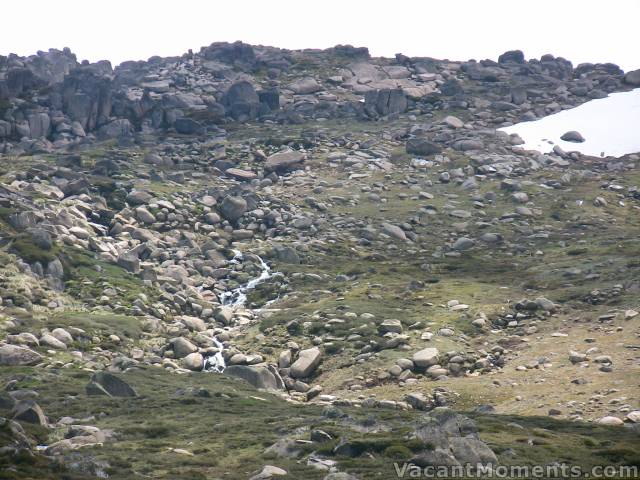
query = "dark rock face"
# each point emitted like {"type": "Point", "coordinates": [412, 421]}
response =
{"type": "Point", "coordinates": [86, 96]}
{"type": "Point", "coordinates": [242, 101]}
{"type": "Point", "coordinates": [39, 125]}
{"type": "Point", "coordinates": [385, 102]}
{"type": "Point", "coordinates": [19, 80]}
{"type": "Point", "coordinates": [270, 99]}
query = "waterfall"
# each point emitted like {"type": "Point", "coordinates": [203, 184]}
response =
{"type": "Point", "coordinates": [235, 298]}
{"type": "Point", "coordinates": [238, 296]}
{"type": "Point", "coordinates": [215, 362]}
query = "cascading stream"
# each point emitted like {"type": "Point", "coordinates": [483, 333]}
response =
{"type": "Point", "coordinates": [238, 296]}
{"type": "Point", "coordinates": [235, 298]}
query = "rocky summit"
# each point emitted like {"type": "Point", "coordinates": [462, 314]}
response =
{"type": "Point", "coordinates": [249, 262]}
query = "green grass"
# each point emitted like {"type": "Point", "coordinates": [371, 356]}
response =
{"type": "Point", "coordinates": [215, 429]}
{"type": "Point", "coordinates": [87, 277]}
{"type": "Point", "coordinates": [25, 248]}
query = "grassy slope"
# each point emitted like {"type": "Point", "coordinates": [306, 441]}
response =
{"type": "Point", "coordinates": [228, 431]}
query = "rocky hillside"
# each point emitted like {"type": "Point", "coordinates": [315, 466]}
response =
{"type": "Point", "coordinates": [250, 262]}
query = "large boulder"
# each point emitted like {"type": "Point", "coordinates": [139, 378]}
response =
{"type": "Point", "coordinates": [633, 78]}
{"type": "Point", "coordinates": [188, 126]}
{"type": "Point", "coordinates": [39, 125]}
{"type": "Point", "coordinates": [339, 476]}
{"type": "Point", "coordinates": [305, 86]}
{"type": "Point", "coordinates": [232, 208]}
{"type": "Point", "coordinates": [270, 98]}
{"type": "Point", "coordinates": [157, 160]}
{"type": "Point", "coordinates": [419, 401]}
{"type": "Point", "coordinates": [284, 161]}
{"type": "Point", "coordinates": [307, 362]}
{"type": "Point", "coordinates": [269, 472]}
{"type": "Point", "coordinates": [237, 52]}
{"type": "Point", "coordinates": [610, 421]}
{"type": "Point", "coordinates": [438, 457]}
{"type": "Point", "coordinates": [104, 383]}
{"type": "Point", "coordinates": [466, 144]}
{"type": "Point", "coordinates": [512, 56]}
{"type": "Point", "coordinates": [426, 357]}
{"type": "Point", "coordinates": [454, 440]}
{"type": "Point", "coordinates": [239, 174]}
{"type": "Point", "coordinates": [286, 254]}
{"type": "Point", "coordinates": [241, 101]}
{"type": "Point", "coordinates": [16, 356]}
{"type": "Point", "coordinates": [87, 96]}
{"type": "Point", "coordinates": [394, 231]}
{"type": "Point", "coordinates": [422, 147]}
{"type": "Point", "coordinates": [41, 238]}
{"type": "Point", "coordinates": [30, 412]}
{"type": "Point", "coordinates": [62, 335]}
{"type": "Point", "coordinates": [472, 451]}
{"type": "Point", "coordinates": [130, 262]}
{"type": "Point", "coordinates": [48, 340]}
{"type": "Point", "coordinates": [20, 79]}
{"type": "Point", "coordinates": [194, 361]}
{"type": "Point", "coordinates": [116, 129]}
{"type": "Point", "coordinates": [5, 129]}
{"type": "Point", "coordinates": [385, 101]}
{"type": "Point", "coordinates": [463, 243]}
{"type": "Point", "coordinates": [572, 136]}
{"type": "Point", "coordinates": [258, 376]}
{"type": "Point", "coordinates": [182, 347]}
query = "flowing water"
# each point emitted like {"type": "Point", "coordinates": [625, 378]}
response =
{"type": "Point", "coordinates": [610, 126]}
{"type": "Point", "coordinates": [215, 362]}
{"type": "Point", "coordinates": [238, 296]}
{"type": "Point", "coordinates": [235, 298]}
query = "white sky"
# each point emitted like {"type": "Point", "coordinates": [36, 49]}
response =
{"type": "Point", "coordinates": [118, 30]}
